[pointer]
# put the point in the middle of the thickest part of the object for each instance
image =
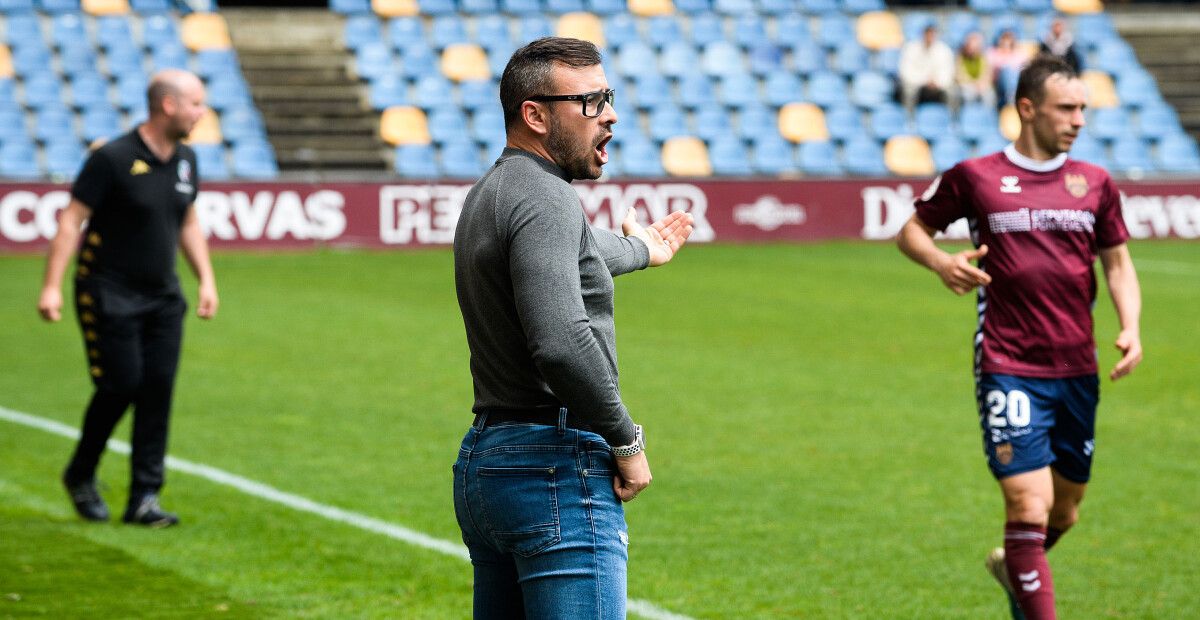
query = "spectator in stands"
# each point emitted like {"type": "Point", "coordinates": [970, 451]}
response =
{"type": "Point", "coordinates": [1007, 59]}
{"type": "Point", "coordinates": [927, 71]}
{"type": "Point", "coordinates": [1060, 42]}
{"type": "Point", "coordinates": [974, 74]}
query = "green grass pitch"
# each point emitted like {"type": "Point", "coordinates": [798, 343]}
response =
{"type": "Point", "coordinates": [808, 411]}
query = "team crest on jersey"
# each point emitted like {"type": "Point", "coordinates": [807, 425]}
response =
{"type": "Point", "coordinates": [1076, 184]}
{"type": "Point", "coordinates": [1008, 185]}
{"type": "Point", "coordinates": [185, 177]}
{"type": "Point", "coordinates": [1004, 453]}
{"type": "Point", "coordinates": [139, 167]}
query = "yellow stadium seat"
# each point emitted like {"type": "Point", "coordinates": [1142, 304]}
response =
{"type": "Point", "coordinates": [1075, 7]}
{"type": "Point", "coordinates": [395, 8]}
{"type": "Point", "coordinates": [403, 124]}
{"type": "Point", "coordinates": [207, 130]}
{"type": "Point", "coordinates": [6, 62]}
{"type": "Point", "coordinates": [465, 61]}
{"type": "Point", "coordinates": [1102, 93]}
{"type": "Point", "coordinates": [650, 8]}
{"type": "Point", "coordinates": [1010, 122]}
{"type": "Point", "coordinates": [878, 30]}
{"type": "Point", "coordinates": [205, 31]}
{"type": "Point", "coordinates": [803, 122]}
{"type": "Point", "coordinates": [686, 156]}
{"type": "Point", "coordinates": [908, 156]}
{"type": "Point", "coordinates": [585, 26]}
{"type": "Point", "coordinates": [105, 7]}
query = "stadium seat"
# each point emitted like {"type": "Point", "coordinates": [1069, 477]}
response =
{"type": "Point", "coordinates": [1115, 56]}
{"type": "Point", "coordinates": [755, 121]}
{"type": "Point", "coordinates": [229, 90]}
{"type": "Point", "coordinates": [739, 90]}
{"type": "Point", "coordinates": [958, 25]}
{"type": "Point", "coordinates": [1131, 156]}
{"type": "Point", "coordinates": [121, 60]}
{"type": "Point", "coordinates": [416, 161]}
{"type": "Point", "coordinates": [1137, 88]}
{"type": "Point", "coordinates": [1033, 7]}
{"type": "Point", "coordinates": [849, 58]}
{"type": "Point", "coordinates": [826, 88]}
{"type": "Point", "coordinates": [948, 151]}
{"type": "Point", "coordinates": [912, 24]}
{"type": "Point", "coordinates": [210, 63]}
{"type": "Point", "coordinates": [1093, 29]}
{"type": "Point", "coordinates": [564, 7]}
{"type": "Point", "coordinates": [88, 90]}
{"type": "Point", "coordinates": [476, 94]}
{"type": "Point", "coordinates": [803, 122]}
{"type": "Point", "coordinates": [819, 159]}
{"type": "Point", "coordinates": [131, 90]}
{"type": "Point", "coordinates": [776, 7]}
{"type": "Point", "coordinates": [254, 160]}
{"type": "Point", "coordinates": [55, 7]}
{"type": "Point", "coordinates": [1010, 122]}
{"type": "Point", "coordinates": [31, 60]}
{"type": "Point", "coordinates": [1109, 123]}
{"type": "Point", "coordinates": [678, 59]}
{"type": "Point", "coordinates": [210, 162]}
{"type": "Point", "coordinates": [686, 156]}
{"type": "Point", "coordinates": [862, 156]}
{"type": "Point", "coordinates": [696, 91]}
{"type": "Point", "coordinates": [990, 142]}
{"type": "Point", "coordinates": [446, 124]}
{"type": "Point", "coordinates": [447, 30]}
{"type": "Point", "coordinates": [749, 29]}
{"type": "Point", "coordinates": [1088, 148]}
{"type": "Point", "coordinates": [43, 90]}
{"type": "Point", "coordinates": [640, 158]}
{"type": "Point", "coordinates": [207, 130]}
{"type": "Point", "coordinates": [350, 7]}
{"type": "Point", "coordinates": [976, 119]}
{"type": "Point", "coordinates": [843, 122]}
{"type": "Point", "coordinates": [1177, 154]}
{"type": "Point", "coordinates": [861, 7]}
{"type": "Point", "coordinates": [879, 30]}
{"type": "Point", "coordinates": [105, 7]}
{"type": "Point", "coordinates": [1075, 7]}
{"type": "Point", "coordinates": [989, 7]}
{"type": "Point", "coordinates": [417, 61]}
{"type": "Point", "coordinates": [650, 90]}
{"type": "Point", "coordinates": [819, 7]}
{"type": "Point", "coordinates": [491, 31]}
{"type": "Point", "coordinates": [498, 58]}
{"type": "Point", "coordinates": [933, 121]}
{"type": "Point", "coordinates": [733, 7]}
{"type": "Point", "coordinates": [242, 122]}
{"type": "Point", "coordinates": [52, 124]}
{"type": "Point", "coordinates": [908, 156]}
{"type": "Point", "coordinates": [650, 8]}
{"type": "Point", "coordinates": [1157, 121]}
{"type": "Point", "coordinates": [18, 160]}
{"type": "Point", "coordinates": [480, 7]}
{"type": "Point", "coordinates": [621, 29]}
{"type": "Point", "coordinates": [373, 60]}
{"type": "Point", "coordinates": [584, 26]}
{"type": "Point", "coordinates": [10, 7]}
{"type": "Point", "coordinates": [782, 87]}
{"type": "Point", "coordinates": [12, 125]}
{"type": "Point", "coordinates": [692, 7]}
{"type": "Point", "coordinates": [433, 91]}
{"type": "Point", "coordinates": [465, 61]}
{"type": "Point", "coordinates": [8, 94]}
{"type": "Point", "coordinates": [533, 27]}
{"type": "Point", "coordinates": [793, 29]}
{"type": "Point", "coordinates": [436, 8]}
{"type": "Point", "coordinates": [460, 160]}
{"type": "Point", "coordinates": [487, 124]}
{"type": "Point", "coordinates": [404, 125]}
{"type": "Point", "coordinates": [605, 7]}
{"type": "Point", "coordinates": [729, 157]}
{"type": "Point", "coordinates": [773, 156]}
{"type": "Point", "coordinates": [402, 31]}
{"type": "Point", "coordinates": [766, 58]}
{"type": "Point", "coordinates": [1101, 91]}
{"type": "Point", "coordinates": [871, 89]}
{"type": "Point", "coordinates": [410, 8]}
{"type": "Point", "coordinates": [712, 122]}
{"type": "Point", "coordinates": [149, 7]}
{"type": "Point", "coordinates": [201, 31]}
{"type": "Point", "coordinates": [667, 121]}
{"type": "Point", "coordinates": [888, 120]}
{"type": "Point", "coordinates": [159, 29]}
{"type": "Point", "coordinates": [808, 58]}
{"type": "Point", "coordinates": [521, 7]}
{"type": "Point", "coordinates": [706, 29]}
{"type": "Point", "coordinates": [360, 30]}
{"type": "Point", "coordinates": [833, 29]}
{"type": "Point", "coordinates": [67, 28]}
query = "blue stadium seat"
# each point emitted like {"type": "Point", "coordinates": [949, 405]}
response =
{"type": "Point", "coordinates": [862, 156]}
{"type": "Point", "coordinates": [124, 59]}
{"type": "Point", "coordinates": [989, 143]}
{"type": "Point", "coordinates": [350, 7]}
{"type": "Point", "coordinates": [696, 91]}
{"type": "Point", "coordinates": [844, 121]}
{"type": "Point", "coordinates": [887, 61]}
{"type": "Point", "coordinates": [667, 121]}
{"type": "Point", "coordinates": [976, 120]}
{"type": "Point", "coordinates": [640, 158]}
{"type": "Point", "coordinates": [416, 161]}
{"type": "Point", "coordinates": [487, 124]}
{"type": "Point", "coordinates": [478, 7]}
{"type": "Point", "coordinates": [729, 157]}
{"type": "Point", "coordinates": [958, 26]}
{"type": "Point", "coordinates": [1032, 7]}
{"type": "Point", "coordinates": [833, 29]}
{"type": "Point", "coordinates": [77, 58]}
{"type": "Point", "coordinates": [739, 90]}
{"type": "Point", "coordinates": [67, 28]}
{"type": "Point", "coordinates": [782, 88]}
{"type": "Point", "coordinates": [43, 90]}
{"type": "Point", "coordinates": [478, 94]}
{"type": "Point", "coordinates": [733, 7]}
{"type": "Point", "coordinates": [756, 120]}
{"type": "Point", "coordinates": [18, 160]}
{"type": "Point", "coordinates": [1088, 148]}
{"type": "Point", "coordinates": [820, 159]}
{"type": "Point", "coordinates": [776, 7]}
{"type": "Point", "coordinates": [447, 30]}
{"type": "Point", "coordinates": [1109, 123]}
{"type": "Point", "coordinates": [446, 124]}
{"type": "Point", "coordinates": [792, 30]}
{"type": "Point", "coordinates": [22, 29]}
{"type": "Point", "coordinates": [148, 7]}
{"type": "Point", "coordinates": [661, 31]}
{"type": "Point", "coordinates": [55, 7]}
{"type": "Point", "coordinates": [808, 58]}
{"type": "Point", "coordinates": [254, 160]}
{"type": "Point", "coordinates": [765, 58]}
{"type": "Point", "coordinates": [678, 59]}
{"type": "Point", "coordinates": [437, 7]}
{"type": "Point", "coordinates": [89, 89]}
{"type": "Point", "coordinates": [1092, 30]}
{"type": "Point", "coordinates": [361, 29]}
{"type": "Point", "coordinates": [621, 29]}
{"type": "Point", "coordinates": [605, 7]}
{"type": "Point", "coordinates": [858, 7]}
{"type": "Point", "coordinates": [870, 89]}
{"type": "Point", "coordinates": [31, 60]}
{"type": "Point", "coordinates": [826, 88]}
{"type": "Point", "coordinates": [417, 60]}
{"type": "Point", "coordinates": [712, 122]}
{"type": "Point", "coordinates": [1158, 120]}
{"type": "Point", "coordinates": [213, 62]}
{"type": "Point", "coordinates": [12, 125]}
{"type": "Point", "coordinates": [1131, 156]}
{"type": "Point", "coordinates": [650, 90]}
{"type": "Point", "coordinates": [849, 57]}
{"type": "Point", "coordinates": [210, 162]}
{"type": "Point", "coordinates": [773, 156]}
{"type": "Point", "coordinates": [491, 32]}
{"type": "Point", "coordinates": [9, 7]}
{"type": "Point", "coordinates": [1115, 56]}
{"type": "Point", "coordinates": [1137, 88]}
{"type": "Point", "coordinates": [225, 91]}
{"type": "Point", "coordinates": [498, 58]}
{"type": "Point", "coordinates": [8, 92]}
{"type": "Point", "coordinates": [722, 58]}
{"type": "Point", "coordinates": [1009, 22]}
{"type": "Point", "coordinates": [933, 121]}
{"type": "Point", "coordinates": [749, 29]}
{"type": "Point", "coordinates": [988, 7]}
{"type": "Point", "coordinates": [1178, 154]}
{"type": "Point", "coordinates": [63, 158]}
{"type": "Point", "coordinates": [159, 29]}
{"type": "Point", "coordinates": [241, 123]}
{"type": "Point", "coordinates": [386, 91]}
{"type": "Point", "coordinates": [404, 30]}
{"type": "Point", "coordinates": [131, 90]}
{"type": "Point", "coordinates": [819, 7]}
{"type": "Point", "coordinates": [493, 149]}
{"type": "Point", "coordinates": [521, 7]}
{"type": "Point", "coordinates": [560, 7]}
{"type": "Point", "coordinates": [52, 124]}
{"type": "Point", "coordinates": [888, 120]}
{"type": "Point", "coordinates": [707, 28]}
{"type": "Point", "coordinates": [947, 151]}
{"type": "Point", "coordinates": [692, 7]}
{"type": "Point", "coordinates": [633, 58]}
{"type": "Point", "coordinates": [913, 24]}
{"type": "Point", "coordinates": [533, 27]}
{"type": "Point", "coordinates": [169, 56]}
{"type": "Point", "coordinates": [433, 91]}
{"type": "Point", "coordinates": [460, 160]}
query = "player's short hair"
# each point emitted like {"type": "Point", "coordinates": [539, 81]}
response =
{"type": "Point", "coordinates": [528, 73]}
{"type": "Point", "coordinates": [158, 90]}
{"type": "Point", "coordinates": [1031, 84]}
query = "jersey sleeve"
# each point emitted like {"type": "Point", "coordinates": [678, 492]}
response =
{"type": "Point", "coordinates": [94, 181]}
{"type": "Point", "coordinates": [1110, 222]}
{"type": "Point", "coordinates": [944, 202]}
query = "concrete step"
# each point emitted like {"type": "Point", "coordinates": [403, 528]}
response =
{"type": "Point", "coordinates": [1179, 90]}
{"type": "Point", "coordinates": [295, 60]}
{"type": "Point", "coordinates": [346, 125]}
{"type": "Point", "coordinates": [348, 93]}
{"type": "Point", "coordinates": [253, 29]}
{"type": "Point", "coordinates": [307, 108]}
{"type": "Point", "coordinates": [314, 77]}
{"type": "Point", "coordinates": [308, 159]}
{"type": "Point", "coordinates": [326, 142]}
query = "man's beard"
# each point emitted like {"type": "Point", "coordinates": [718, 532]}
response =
{"type": "Point", "coordinates": [570, 155]}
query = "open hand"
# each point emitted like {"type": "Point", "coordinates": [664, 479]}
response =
{"type": "Point", "coordinates": [663, 238]}
{"type": "Point", "coordinates": [959, 275]}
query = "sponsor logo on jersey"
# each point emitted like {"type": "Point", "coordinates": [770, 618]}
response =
{"type": "Point", "coordinates": [139, 167]}
{"type": "Point", "coordinates": [1004, 453]}
{"type": "Point", "coordinates": [1008, 185]}
{"type": "Point", "coordinates": [1077, 185]}
{"type": "Point", "coordinates": [184, 186]}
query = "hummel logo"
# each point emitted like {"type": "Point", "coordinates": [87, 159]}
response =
{"type": "Point", "coordinates": [1029, 581]}
{"type": "Point", "coordinates": [1008, 185]}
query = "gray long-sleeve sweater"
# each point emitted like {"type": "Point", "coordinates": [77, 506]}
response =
{"type": "Point", "coordinates": [534, 283]}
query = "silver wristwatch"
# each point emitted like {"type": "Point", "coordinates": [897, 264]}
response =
{"type": "Point", "coordinates": [638, 445]}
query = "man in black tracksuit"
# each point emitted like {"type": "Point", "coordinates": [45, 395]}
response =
{"type": "Point", "coordinates": [136, 194]}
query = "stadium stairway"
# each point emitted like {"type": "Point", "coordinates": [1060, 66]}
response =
{"type": "Point", "coordinates": [1165, 42]}
{"type": "Point", "coordinates": [296, 67]}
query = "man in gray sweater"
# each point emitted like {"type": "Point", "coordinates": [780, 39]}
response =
{"type": "Point", "coordinates": [553, 451]}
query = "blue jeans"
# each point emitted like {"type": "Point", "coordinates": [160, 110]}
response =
{"type": "Point", "coordinates": [545, 529]}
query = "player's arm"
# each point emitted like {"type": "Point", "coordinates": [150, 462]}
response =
{"type": "Point", "coordinates": [195, 250]}
{"type": "Point", "coordinates": [956, 271]}
{"type": "Point", "coordinates": [663, 238]}
{"type": "Point", "coordinates": [1126, 295]}
{"type": "Point", "coordinates": [62, 247]}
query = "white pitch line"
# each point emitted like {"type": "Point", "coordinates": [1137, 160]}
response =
{"type": "Point", "coordinates": [1167, 266]}
{"type": "Point", "coordinates": [303, 504]}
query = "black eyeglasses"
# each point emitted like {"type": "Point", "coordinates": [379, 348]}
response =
{"type": "Point", "coordinates": [593, 102]}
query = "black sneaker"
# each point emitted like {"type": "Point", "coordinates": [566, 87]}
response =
{"type": "Point", "coordinates": [147, 512]}
{"type": "Point", "coordinates": [87, 500]}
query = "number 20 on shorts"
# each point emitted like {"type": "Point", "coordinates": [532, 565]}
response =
{"type": "Point", "coordinates": [1007, 409]}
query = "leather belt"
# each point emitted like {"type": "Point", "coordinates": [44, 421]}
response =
{"type": "Point", "coordinates": [547, 416]}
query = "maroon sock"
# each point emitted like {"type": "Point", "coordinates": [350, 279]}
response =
{"type": "Point", "coordinates": [1052, 536]}
{"type": "Point", "coordinates": [1025, 558]}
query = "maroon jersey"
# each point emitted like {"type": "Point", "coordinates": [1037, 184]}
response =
{"type": "Point", "coordinates": [1043, 223]}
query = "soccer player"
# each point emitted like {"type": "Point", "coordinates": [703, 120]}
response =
{"type": "Point", "coordinates": [1038, 221]}
{"type": "Point", "coordinates": [135, 193]}
{"type": "Point", "coordinates": [553, 451]}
